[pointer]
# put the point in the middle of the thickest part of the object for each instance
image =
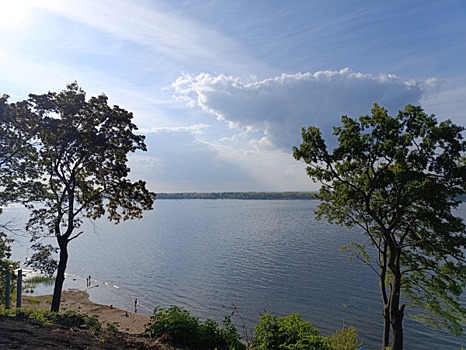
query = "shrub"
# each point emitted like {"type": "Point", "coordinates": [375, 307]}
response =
{"type": "Point", "coordinates": [7, 312]}
{"type": "Point", "coordinates": [6, 265]}
{"type": "Point", "coordinates": [175, 322]}
{"type": "Point", "coordinates": [40, 317]}
{"type": "Point", "coordinates": [112, 327]}
{"type": "Point", "coordinates": [345, 338]}
{"type": "Point", "coordinates": [73, 319]}
{"type": "Point", "coordinates": [186, 330]}
{"type": "Point", "coordinates": [288, 333]}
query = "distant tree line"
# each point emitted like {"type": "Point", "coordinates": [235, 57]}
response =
{"type": "Point", "coordinates": [238, 195]}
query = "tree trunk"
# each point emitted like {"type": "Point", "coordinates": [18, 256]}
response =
{"type": "Point", "coordinates": [63, 244]}
{"type": "Point", "coordinates": [383, 289]}
{"type": "Point", "coordinates": [397, 329]}
{"type": "Point", "coordinates": [386, 326]}
{"type": "Point", "coordinates": [396, 310]}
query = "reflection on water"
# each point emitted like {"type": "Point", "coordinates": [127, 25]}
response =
{"type": "Point", "coordinates": [206, 255]}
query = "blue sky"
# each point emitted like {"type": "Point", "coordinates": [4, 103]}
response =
{"type": "Point", "coordinates": [221, 89]}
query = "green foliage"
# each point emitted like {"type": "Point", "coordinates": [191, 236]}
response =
{"type": "Point", "coordinates": [345, 338]}
{"type": "Point", "coordinates": [287, 333]}
{"type": "Point", "coordinates": [32, 299]}
{"type": "Point", "coordinates": [72, 319]}
{"type": "Point", "coordinates": [186, 330]}
{"type": "Point", "coordinates": [69, 319]}
{"type": "Point", "coordinates": [42, 259]}
{"type": "Point", "coordinates": [112, 327]}
{"type": "Point", "coordinates": [69, 157]}
{"type": "Point", "coordinates": [7, 312]}
{"type": "Point", "coordinates": [6, 264]}
{"type": "Point", "coordinates": [40, 317]}
{"type": "Point", "coordinates": [17, 154]}
{"type": "Point", "coordinates": [399, 179]}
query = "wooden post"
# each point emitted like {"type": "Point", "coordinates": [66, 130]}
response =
{"type": "Point", "coordinates": [7, 290]}
{"type": "Point", "coordinates": [19, 288]}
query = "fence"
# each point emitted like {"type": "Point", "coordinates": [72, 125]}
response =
{"type": "Point", "coordinates": [19, 284]}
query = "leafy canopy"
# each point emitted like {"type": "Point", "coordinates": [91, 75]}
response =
{"type": "Point", "coordinates": [400, 180]}
{"type": "Point", "coordinates": [14, 180]}
{"type": "Point", "coordinates": [16, 155]}
{"type": "Point", "coordinates": [83, 147]}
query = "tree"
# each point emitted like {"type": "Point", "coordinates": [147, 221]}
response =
{"type": "Point", "coordinates": [15, 154]}
{"type": "Point", "coordinates": [399, 180]}
{"type": "Point", "coordinates": [82, 149]}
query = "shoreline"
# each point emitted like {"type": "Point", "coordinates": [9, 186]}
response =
{"type": "Point", "coordinates": [78, 301]}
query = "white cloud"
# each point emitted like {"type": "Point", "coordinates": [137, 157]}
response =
{"type": "Point", "coordinates": [150, 106]}
{"type": "Point", "coordinates": [160, 28]}
{"type": "Point", "coordinates": [448, 102]}
{"type": "Point", "coordinates": [192, 129]}
{"type": "Point", "coordinates": [280, 106]}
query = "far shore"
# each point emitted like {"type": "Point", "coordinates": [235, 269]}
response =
{"type": "Point", "coordinates": [78, 301]}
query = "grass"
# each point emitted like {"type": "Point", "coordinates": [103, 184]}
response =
{"type": "Point", "coordinates": [33, 300]}
{"type": "Point", "coordinates": [31, 283]}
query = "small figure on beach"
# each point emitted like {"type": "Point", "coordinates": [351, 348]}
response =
{"type": "Point", "coordinates": [89, 281]}
{"type": "Point", "coordinates": [126, 314]}
{"type": "Point", "coordinates": [135, 305]}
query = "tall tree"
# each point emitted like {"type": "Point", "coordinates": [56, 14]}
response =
{"type": "Point", "coordinates": [82, 165]}
{"type": "Point", "coordinates": [399, 180]}
{"type": "Point", "coordinates": [16, 155]}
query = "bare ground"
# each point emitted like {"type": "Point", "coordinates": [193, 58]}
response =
{"type": "Point", "coordinates": [21, 333]}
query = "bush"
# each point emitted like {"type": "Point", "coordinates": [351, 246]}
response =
{"type": "Point", "coordinates": [186, 330]}
{"type": "Point", "coordinates": [72, 319]}
{"type": "Point", "coordinates": [288, 333]}
{"type": "Point", "coordinates": [112, 327]}
{"type": "Point", "coordinates": [345, 338]}
{"type": "Point", "coordinates": [6, 265]}
{"type": "Point", "coordinates": [69, 319]}
{"type": "Point", "coordinates": [39, 317]}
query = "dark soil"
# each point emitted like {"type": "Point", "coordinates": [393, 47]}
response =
{"type": "Point", "coordinates": [20, 333]}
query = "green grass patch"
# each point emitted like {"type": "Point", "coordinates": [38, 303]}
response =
{"type": "Point", "coordinates": [69, 319]}
{"type": "Point", "coordinates": [30, 284]}
{"type": "Point", "coordinates": [32, 299]}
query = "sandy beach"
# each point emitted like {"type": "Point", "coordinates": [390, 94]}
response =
{"type": "Point", "coordinates": [77, 300]}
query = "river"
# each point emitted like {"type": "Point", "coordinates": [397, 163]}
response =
{"type": "Point", "coordinates": [205, 255]}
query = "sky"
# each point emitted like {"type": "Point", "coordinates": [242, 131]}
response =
{"type": "Point", "coordinates": [221, 89]}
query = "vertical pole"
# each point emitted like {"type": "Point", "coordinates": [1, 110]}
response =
{"type": "Point", "coordinates": [7, 290]}
{"type": "Point", "coordinates": [18, 288]}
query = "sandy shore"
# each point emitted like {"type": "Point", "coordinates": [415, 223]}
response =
{"type": "Point", "coordinates": [77, 300]}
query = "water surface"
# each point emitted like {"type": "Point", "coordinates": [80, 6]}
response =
{"type": "Point", "coordinates": [206, 255]}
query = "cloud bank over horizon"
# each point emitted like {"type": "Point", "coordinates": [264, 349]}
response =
{"type": "Point", "coordinates": [221, 89]}
{"type": "Point", "coordinates": [278, 107]}
{"type": "Point", "coordinates": [250, 127]}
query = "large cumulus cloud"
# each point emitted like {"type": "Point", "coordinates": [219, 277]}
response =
{"type": "Point", "coordinates": [280, 106]}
